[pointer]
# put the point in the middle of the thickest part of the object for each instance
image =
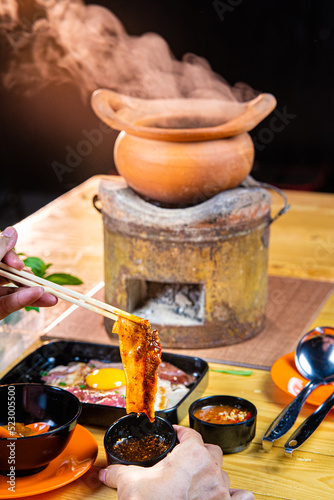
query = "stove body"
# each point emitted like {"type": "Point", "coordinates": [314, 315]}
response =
{"type": "Point", "coordinates": [199, 274]}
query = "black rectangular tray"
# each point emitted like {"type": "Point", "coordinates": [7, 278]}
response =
{"type": "Point", "coordinates": [61, 352]}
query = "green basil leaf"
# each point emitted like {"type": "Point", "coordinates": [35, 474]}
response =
{"type": "Point", "coordinates": [37, 265]}
{"type": "Point", "coordinates": [63, 279]}
{"type": "Point", "coordinates": [242, 373]}
{"type": "Point", "coordinates": [30, 308]}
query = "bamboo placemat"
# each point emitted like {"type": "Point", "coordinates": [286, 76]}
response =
{"type": "Point", "coordinates": [293, 304]}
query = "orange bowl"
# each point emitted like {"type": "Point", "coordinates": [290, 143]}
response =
{"type": "Point", "coordinates": [29, 403]}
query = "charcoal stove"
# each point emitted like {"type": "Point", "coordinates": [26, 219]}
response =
{"type": "Point", "coordinates": [198, 273]}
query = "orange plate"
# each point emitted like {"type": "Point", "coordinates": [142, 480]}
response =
{"type": "Point", "coordinates": [78, 456]}
{"type": "Point", "coordinates": [286, 376]}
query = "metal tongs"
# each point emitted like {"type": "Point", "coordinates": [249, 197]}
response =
{"type": "Point", "coordinates": [285, 420]}
{"type": "Point", "coordinates": [309, 425]}
{"type": "Point", "coordinates": [314, 359]}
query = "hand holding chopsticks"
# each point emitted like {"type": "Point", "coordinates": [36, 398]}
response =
{"type": "Point", "coordinates": [12, 299]}
{"type": "Point", "coordinates": [28, 279]}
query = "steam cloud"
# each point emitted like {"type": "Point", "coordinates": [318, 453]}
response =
{"type": "Point", "coordinates": [65, 41]}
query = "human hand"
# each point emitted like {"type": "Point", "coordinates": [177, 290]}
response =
{"type": "Point", "coordinates": [192, 471]}
{"type": "Point", "coordinates": [13, 299]}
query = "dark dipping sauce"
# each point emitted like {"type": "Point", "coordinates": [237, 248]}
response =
{"type": "Point", "coordinates": [133, 449]}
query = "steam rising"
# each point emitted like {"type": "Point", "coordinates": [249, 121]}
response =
{"type": "Point", "coordinates": [65, 41]}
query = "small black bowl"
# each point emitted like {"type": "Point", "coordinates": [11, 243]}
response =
{"type": "Point", "coordinates": [29, 403]}
{"type": "Point", "coordinates": [139, 428]}
{"type": "Point", "coordinates": [233, 437]}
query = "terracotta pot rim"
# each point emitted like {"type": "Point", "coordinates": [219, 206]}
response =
{"type": "Point", "coordinates": [121, 113]}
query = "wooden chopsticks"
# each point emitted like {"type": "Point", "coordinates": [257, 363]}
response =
{"type": "Point", "coordinates": [64, 293]}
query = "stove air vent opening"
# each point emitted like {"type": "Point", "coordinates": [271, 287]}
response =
{"type": "Point", "coordinates": [180, 304]}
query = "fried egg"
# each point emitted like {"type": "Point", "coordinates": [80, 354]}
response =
{"type": "Point", "coordinates": [106, 378]}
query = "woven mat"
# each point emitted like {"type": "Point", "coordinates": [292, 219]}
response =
{"type": "Point", "coordinates": [293, 305]}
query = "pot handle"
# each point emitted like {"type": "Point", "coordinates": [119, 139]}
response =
{"type": "Point", "coordinates": [251, 182]}
{"type": "Point", "coordinates": [106, 103]}
{"type": "Point", "coordinates": [96, 200]}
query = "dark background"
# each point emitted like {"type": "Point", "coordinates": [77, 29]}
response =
{"type": "Point", "coordinates": [281, 47]}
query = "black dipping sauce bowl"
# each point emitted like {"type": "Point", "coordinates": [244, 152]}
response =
{"type": "Point", "coordinates": [231, 437]}
{"type": "Point", "coordinates": [27, 404]}
{"type": "Point", "coordinates": [134, 440]}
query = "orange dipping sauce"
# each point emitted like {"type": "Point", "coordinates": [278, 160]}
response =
{"type": "Point", "coordinates": [19, 430]}
{"type": "Point", "coordinates": [222, 414]}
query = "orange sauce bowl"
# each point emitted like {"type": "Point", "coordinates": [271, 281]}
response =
{"type": "Point", "coordinates": [227, 421]}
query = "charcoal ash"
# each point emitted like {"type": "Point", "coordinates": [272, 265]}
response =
{"type": "Point", "coordinates": [170, 303]}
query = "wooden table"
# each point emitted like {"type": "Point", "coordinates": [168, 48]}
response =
{"type": "Point", "coordinates": [68, 233]}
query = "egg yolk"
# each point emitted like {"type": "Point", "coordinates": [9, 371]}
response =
{"type": "Point", "coordinates": [106, 378]}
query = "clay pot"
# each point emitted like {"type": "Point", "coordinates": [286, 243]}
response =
{"type": "Point", "coordinates": [182, 150]}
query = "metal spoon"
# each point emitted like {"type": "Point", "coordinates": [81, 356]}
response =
{"type": "Point", "coordinates": [315, 353]}
{"type": "Point", "coordinates": [315, 360]}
